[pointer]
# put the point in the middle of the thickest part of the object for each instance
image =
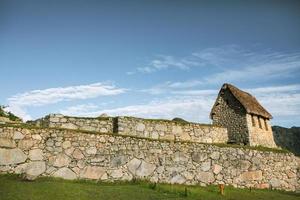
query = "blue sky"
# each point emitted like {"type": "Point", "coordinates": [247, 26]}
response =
{"type": "Point", "coordinates": [155, 59]}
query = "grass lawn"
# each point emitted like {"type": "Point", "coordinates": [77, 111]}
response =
{"type": "Point", "coordinates": [13, 188]}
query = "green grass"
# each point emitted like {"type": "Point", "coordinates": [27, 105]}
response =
{"type": "Point", "coordinates": [14, 188]}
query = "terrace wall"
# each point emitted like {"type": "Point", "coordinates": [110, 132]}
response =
{"type": "Point", "coordinates": [73, 154]}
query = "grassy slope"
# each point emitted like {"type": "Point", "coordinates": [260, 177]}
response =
{"type": "Point", "coordinates": [13, 188]}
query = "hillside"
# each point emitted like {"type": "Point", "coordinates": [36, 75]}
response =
{"type": "Point", "coordinates": [8, 116]}
{"type": "Point", "coordinates": [288, 138]}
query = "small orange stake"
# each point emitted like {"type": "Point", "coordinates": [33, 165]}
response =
{"type": "Point", "coordinates": [221, 188]}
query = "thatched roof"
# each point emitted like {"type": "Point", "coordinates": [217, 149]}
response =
{"type": "Point", "coordinates": [249, 102]}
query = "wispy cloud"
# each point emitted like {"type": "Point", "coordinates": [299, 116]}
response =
{"type": "Point", "coordinates": [163, 62]}
{"type": "Point", "coordinates": [229, 63]}
{"type": "Point", "coordinates": [235, 65]}
{"type": "Point", "coordinates": [19, 102]}
{"type": "Point", "coordinates": [269, 66]}
{"type": "Point", "coordinates": [170, 87]}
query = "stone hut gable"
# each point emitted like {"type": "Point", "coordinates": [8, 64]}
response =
{"type": "Point", "coordinates": [249, 102]}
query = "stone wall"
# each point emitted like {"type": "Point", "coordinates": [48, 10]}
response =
{"type": "Point", "coordinates": [260, 131]}
{"type": "Point", "coordinates": [99, 124]}
{"type": "Point", "coordinates": [72, 154]}
{"type": "Point", "coordinates": [166, 129]}
{"type": "Point", "coordinates": [147, 128]}
{"type": "Point", "coordinates": [228, 112]}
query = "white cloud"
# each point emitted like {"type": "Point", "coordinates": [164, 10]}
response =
{"type": "Point", "coordinates": [79, 109]}
{"type": "Point", "coordinates": [163, 62]}
{"type": "Point", "coordinates": [188, 108]}
{"type": "Point", "coordinates": [266, 69]}
{"type": "Point", "coordinates": [228, 63]}
{"type": "Point", "coordinates": [19, 102]}
{"type": "Point", "coordinates": [235, 65]}
{"type": "Point", "coordinates": [169, 87]}
{"type": "Point", "coordinates": [282, 101]}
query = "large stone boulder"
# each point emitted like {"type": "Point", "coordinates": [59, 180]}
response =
{"type": "Point", "coordinates": [26, 144]}
{"type": "Point", "coordinates": [118, 160]}
{"type": "Point", "coordinates": [133, 165]}
{"type": "Point", "coordinates": [141, 168]}
{"type": "Point", "coordinates": [18, 135]}
{"type": "Point", "coordinates": [36, 154]}
{"type": "Point", "coordinates": [8, 143]}
{"type": "Point", "coordinates": [11, 156]}
{"type": "Point", "coordinates": [34, 169]}
{"type": "Point", "coordinates": [206, 177]}
{"type": "Point", "coordinates": [61, 160]}
{"type": "Point", "coordinates": [65, 173]}
{"type": "Point", "coordinates": [178, 179]}
{"type": "Point", "coordinates": [92, 172]}
{"type": "Point", "coordinates": [116, 173]}
{"type": "Point", "coordinates": [251, 176]}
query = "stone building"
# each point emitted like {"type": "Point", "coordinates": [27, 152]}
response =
{"type": "Point", "coordinates": [246, 120]}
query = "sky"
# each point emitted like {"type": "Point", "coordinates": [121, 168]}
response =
{"type": "Point", "coordinates": [152, 59]}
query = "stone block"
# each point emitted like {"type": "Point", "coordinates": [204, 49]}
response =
{"type": "Point", "coordinates": [206, 177]}
{"type": "Point", "coordinates": [11, 156]}
{"type": "Point", "coordinates": [36, 154]}
{"type": "Point", "coordinates": [61, 160]}
{"type": "Point", "coordinates": [18, 135]}
{"type": "Point", "coordinates": [65, 173]}
{"type": "Point", "coordinates": [176, 130]}
{"type": "Point", "coordinates": [177, 179]}
{"type": "Point", "coordinates": [8, 143]}
{"type": "Point", "coordinates": [77, 154]}
{"type": "Point", "coordinates": [34, 169]}
{"type": "Point", "coordinates": [140, 127]}
{"type": "Point", "coordinates": [26, 144]}
{"type": "Point", "coordinates": [141, 168]}
{"type": "Point", "coordinates": [91, 150]}
{"type": "Point", "coordinates": [66, 144]}
{"type": "Point", "coordinates": [205, 166]}
{"type": "Point", "coordinates": [251, 176]}
{"type": "Point", "coordinates": [92, 172]}
{"type": "Point", "coordinates": [217, 169]}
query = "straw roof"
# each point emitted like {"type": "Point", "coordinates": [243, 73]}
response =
{"type": "Point", "coordinates": [249, 102]}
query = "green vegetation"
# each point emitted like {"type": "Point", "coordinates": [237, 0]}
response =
{"type": "Point", "coordinates": [14, 188]}
{"type": "Point", "coordinates": [177, 119]}
{"type": "Point", "coordinates": [258, 148]}
{"type": "Point", "coordinates": [9, 115]}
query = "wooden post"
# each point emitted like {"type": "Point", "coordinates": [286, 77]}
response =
{"type": "Point", "coordinates": [221, 188]}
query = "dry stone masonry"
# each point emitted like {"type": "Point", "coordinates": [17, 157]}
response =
{"type": "Point", "coordinates": [145, 128]}
{"type": "Point", "coordinates": [166, 129]}
{"type": "Point", "coordinates": [99, 124]}
{"type": "Point", "coordinates": [73, 154]}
